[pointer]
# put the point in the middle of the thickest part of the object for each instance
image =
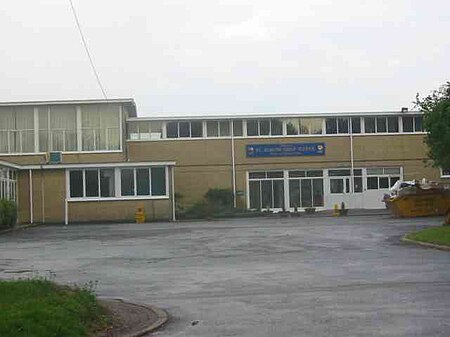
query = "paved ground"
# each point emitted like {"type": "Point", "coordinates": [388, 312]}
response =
{"type": "Point", "coordinates": [260, 277]}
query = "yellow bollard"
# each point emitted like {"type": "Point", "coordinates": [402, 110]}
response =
{"type": "Point", "coordinates": [140, 215]}
{"type": "Point", "coordinates": [336, 210]}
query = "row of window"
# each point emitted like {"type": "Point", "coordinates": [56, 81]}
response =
{"type": "Point", "coordinates": [145, 130]}
{"type": "Point", "coordinates": [8, 181]}
{"type": "Point", "coordinates": [117, 183]}
{"type": "Point", "coordinates": [59, 128]}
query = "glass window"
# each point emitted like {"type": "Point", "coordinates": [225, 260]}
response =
{"type": "Point", "coordinates": [266, 193]}
{"type": "Point", "coordinates": [337, 185]}
{"type": "Point", "coordinates": [381, 124]}
{"type": "Point", "coordinates": [196, 129]}
{"type": "Point", "coordinates": [292, 126]}
{"type": "Point", "coordinates": [314, 173]}
{"type": "Point", "coordinates": [172, 130]}
{"type": "Point", "coordinates": [99, 123]}
{"type": "Point", "coordinates": [257, 175]}
{"type": "Point", "coordinates": [275, 174]}
{"type": "Point", "coordinates": [357, 184]}
{"type": "Point", "coordinates": [356, 125]}
{"type": "Point", "coordinates": [393, 180]}
{"type": "Point", "coordinates": [339, 173]}
{"type": "Point", "coordinates": [142, 181]}
{"type": "Point", "coordinates": [392, 124]}
{"type": "Point", "coordinates": [212, 128]}
{"type": "Point", "coordinates": [445, 173]}
{"type": "Point", "coordinates": [184, 129]}
{"type": "Point", "coordinates": [317, 192]}
{"type": "Point", "coordinates": [306, 192]}
{"type": "Point", "coordinates": [237, 128]}
{"type": "Point", "coordinates": [278, 194]}
{"type": "Point", "coordinates": [252, 127]}
{"type": "Point", "coordinates": [372, 183]}
{"type": "Point", "coordinates": [76, 184]}
{"type": "Point", "coordinates": [276, 127]}
{"type": "Point", "coordinates": [294, 174]}
{"type": "Point", "coordinates": [294, 193]}
{"type": "Point", "coordinates": [127, 182]}
{"type": "Point", "coordinates": [133, 131]}
{"type": "Point", "coordinates": [304, 126]}
{"type": "Point", "coordinates": [331, 125]}
{"type": "Point", "coordinates": [107, 183]}
{"type": "Point", "coordinates": [369, 124]}
{"type": "Point", "coordinates": [418, 124]}
{"type": "Point", "coordinates": [91, 179]}
{"type": "Point", "coordinates": [255, 195]}
{"type": "Point", "coordinates": [408, 124]}
{"type": "Point", "coordinates": [383, 182]}
{"type": "Point", "coordinates": [316, 125]}
{"type": "Point", "coordinates": [158, 181]}
{"type": "Point", "coordinates": [391, 170]}
{"type": "Point", "coordinates": [224, 127]}
{"type": "Point", "coordinates": [374, 171]}
{"type": "Point", "coordinates": [264, 127]}
{"type": "Point", "coordinates": [156, 130]}
{"type": "Point", "coordinates": [342, 125]}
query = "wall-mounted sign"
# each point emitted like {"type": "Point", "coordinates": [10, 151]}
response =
{"type": "Point", "coordinates": [285, 150]}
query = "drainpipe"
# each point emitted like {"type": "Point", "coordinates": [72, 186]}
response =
{"type": "Point", "coordinates": [352, 187]}
{"type": "Point", "coordinates": [172, 178]}
{"type": "Point", "coordinates": [31, 195]}
{"type": "Point", "coordinates": [233, 164]}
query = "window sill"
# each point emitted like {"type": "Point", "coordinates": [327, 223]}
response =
{"type": "Point", "coordinates": [162, 197]}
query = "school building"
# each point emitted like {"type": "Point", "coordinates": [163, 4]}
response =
{"type": "Point", "coordinates": [97, 160]}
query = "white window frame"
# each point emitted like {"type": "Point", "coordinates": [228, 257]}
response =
{"type": "Point", "coordinates": [444, 174]}
{"type": "Point", "coordinates": [117, 184]}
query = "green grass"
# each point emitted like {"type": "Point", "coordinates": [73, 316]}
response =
{"type": "Point", "coordinates": [437, 235]}
{"type": "Point", "coordinates": [35, 308]}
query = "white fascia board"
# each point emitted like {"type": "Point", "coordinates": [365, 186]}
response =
{"type": "Point", "coordinates": [10, 165]}
{"type": "Point", "coordinates": [228, 116]}
{"type": "Point", "coordinates": [97, 165]}
{"type": "Point", "coordinates": [68, 101]}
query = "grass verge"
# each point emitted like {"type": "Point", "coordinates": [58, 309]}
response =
{"type": "Point", "coordinates": [436, 235]}
{"type": "Point", "coordinates": [40, 307]}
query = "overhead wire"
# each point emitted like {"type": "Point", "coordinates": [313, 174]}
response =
{"type": "Point", "coordinates": [87, 50]}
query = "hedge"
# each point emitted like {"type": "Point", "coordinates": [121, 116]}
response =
{"type": "Point", "coordinates": [8, 213]}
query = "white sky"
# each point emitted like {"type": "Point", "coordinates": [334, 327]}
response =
{"type": "Point", "coordinates": [228, 56]}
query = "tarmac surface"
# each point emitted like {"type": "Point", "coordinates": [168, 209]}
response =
{"type": "Point", "coordinates": [316, 276]}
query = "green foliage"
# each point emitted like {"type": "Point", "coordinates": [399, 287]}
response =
{"type": "Point", "coordinates": [39, 307]}
{"type": "Point", "coordinates": [220, 197]}
{"type": "Point", "coordinates": [215, 202]}
{"type": "Point", "coordinates": [436, 108]}
{"type": "Point", "coordinates": [8, 213]}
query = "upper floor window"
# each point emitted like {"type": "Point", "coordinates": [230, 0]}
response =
{"type": "Point", "coordinates": [304, 126]}
{"type": "Point", "coordinates": [336, 125]}
{"type": "Point", "coordinates": [412, 123]}
{"type": "Point", "coordinates": [16, 130]}
{"type": "Point", "coordinates": [264, 127]}
{"type": "Point", "coordinates": [145, 130]}
{"type": "Point", "coordinates": [381, 124]}
{"type": "Point", "coordinates": [445, 173]}
{"type": "Point", "coordinates": [218, 128]}
{"type": "Point", "coordinates": [184, 129]}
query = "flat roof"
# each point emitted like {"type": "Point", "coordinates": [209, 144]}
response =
{"type": "Point", "coordinates": [128, 101]}
{"type": "Point", "coordinates": [251, 115]}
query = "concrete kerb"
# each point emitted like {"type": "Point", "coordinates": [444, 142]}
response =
{"type": "Point", "coordinates": [425, 244]}
{"type": "Point", "coordinates": [163, 317]}
{"type": "Point", "coordinates": [17, 228]}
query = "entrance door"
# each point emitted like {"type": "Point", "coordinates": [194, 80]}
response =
{"type": "Point", "coordinates": [378, 181]}
{"type": "Point", "coordinates": [341, 189]}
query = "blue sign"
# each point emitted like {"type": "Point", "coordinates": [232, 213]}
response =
{"type": "Point", "coordinates": [285, 150]}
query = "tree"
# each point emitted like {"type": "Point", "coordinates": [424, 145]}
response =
{"type": "Point", "coordinates": [436, 121]}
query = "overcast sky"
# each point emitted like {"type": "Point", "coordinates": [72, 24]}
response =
{"type": "Point", "coordinates": [228, 56]}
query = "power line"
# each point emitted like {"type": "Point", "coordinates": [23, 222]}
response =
{"type": "Point", "coordinates": [87, 51]}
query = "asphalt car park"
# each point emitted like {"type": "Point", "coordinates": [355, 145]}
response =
{"type": "Point", "coordinates": [305, 276]}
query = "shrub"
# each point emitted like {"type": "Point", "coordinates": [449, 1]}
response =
{"type": "Point", "coordinates": [8, 213]}
{"type": "Point", "coordinates": [220, 197]}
